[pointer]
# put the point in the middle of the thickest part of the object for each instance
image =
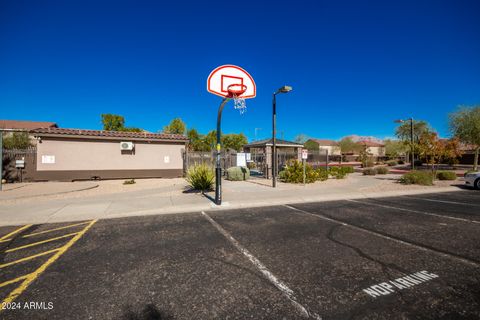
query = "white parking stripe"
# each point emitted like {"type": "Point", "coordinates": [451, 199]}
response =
{"type": "Point", "coordinates": [263, 269]}
{"type": "Point", "coordinates": [384, 236]}
{"type": "Point", "coordinates": [413, 211]}
{"type": "Point", "coordinates": [445, 201]}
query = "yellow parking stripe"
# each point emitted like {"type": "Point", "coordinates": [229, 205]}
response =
{"type": "Point", "coordinates": [56, 229]}
{"type": "Point", "coordinates": [6, 283]}
{"type": "Point", "coordinates": [27, 258]}
{"type": "Point", "coordinates": [5, 237]}
{"type": "Point", "coordinates": [32, 276]}
{"type": "Point", "coordinates": [41, 242]}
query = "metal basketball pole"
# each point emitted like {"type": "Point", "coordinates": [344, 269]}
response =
{"type": "Point", "coordinates": [218, 166]}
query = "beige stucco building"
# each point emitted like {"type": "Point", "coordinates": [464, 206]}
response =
{"type": "Point", "coordinates": [326, 145]}
{"type": "Point", "coordinates": [71, 154]}
{"type": "Point", "coordinates": [373, 148]}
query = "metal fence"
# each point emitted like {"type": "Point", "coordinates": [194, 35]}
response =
{"type": "Point", "coordinates": [13, 174]}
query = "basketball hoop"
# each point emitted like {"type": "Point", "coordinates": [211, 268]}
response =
{"type": "Point", "coordinates": [234, 92]}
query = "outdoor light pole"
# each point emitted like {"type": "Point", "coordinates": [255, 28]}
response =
{"type": "Point", "coordinates": [218, 166]}
{"type": "Point", "coordinates": [284, 89]}
{"type": "Point", "coordinates": [412, 164]}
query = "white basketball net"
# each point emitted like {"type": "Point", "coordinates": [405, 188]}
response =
{"type": "Point", "coordinates": [239, 104]}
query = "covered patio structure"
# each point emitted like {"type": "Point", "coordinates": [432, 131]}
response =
{"type": "Point", "coordinates": [261, 153]}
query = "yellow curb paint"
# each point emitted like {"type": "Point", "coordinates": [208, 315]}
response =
{"type": "Point", "coordinates": [6, 283]}
{"type": "Point", "coordinates": [56, 229]}
{"type": "Point", "coordinates": [27, 258]}
{"type": "Point", "coordinates": [13, 232]}
{"type": "Point", "coordinates": [32, 276]}
{"type": "Point", "coordinates": [41, 242]}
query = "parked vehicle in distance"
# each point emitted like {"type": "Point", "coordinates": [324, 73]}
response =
{"type": "Point", "coordinates": [472, 179]}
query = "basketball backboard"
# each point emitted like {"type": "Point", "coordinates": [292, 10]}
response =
{"type": "Point", "coordinates": [225, 76]}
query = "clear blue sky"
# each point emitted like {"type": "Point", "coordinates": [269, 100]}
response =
{"type": "Point", "coordinates": [355, 66]}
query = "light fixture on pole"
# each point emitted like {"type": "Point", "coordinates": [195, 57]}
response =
{"type": "Point", "coordinates": [284, 89]}
{"type": "Point", "coordinates": [412, 164]}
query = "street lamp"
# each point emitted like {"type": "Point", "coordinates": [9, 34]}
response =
{"type": "Point", "coordinates": [284, 89]}
{"type": "Point", "coordinates": [411, 139]}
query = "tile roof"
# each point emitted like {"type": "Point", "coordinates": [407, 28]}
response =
{"type": "Point", "coordinates": [27, 125]}
{"type": "Point", "coordinates": [107, 134]}
{"type": "Point", "coordinates": [325, 142]}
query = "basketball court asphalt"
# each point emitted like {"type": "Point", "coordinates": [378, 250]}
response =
{"type": "Point", "coordinates": [406, 257]}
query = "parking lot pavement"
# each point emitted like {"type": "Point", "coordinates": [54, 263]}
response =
{"type": "Point", "coordinates": [368, 259]}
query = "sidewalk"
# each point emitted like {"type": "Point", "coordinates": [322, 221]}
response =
{"type": "Point", "coordinates": [39, 189]}
{"type": "Point", "coordinates": [169, 196]}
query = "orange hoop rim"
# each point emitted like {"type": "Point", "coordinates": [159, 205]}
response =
{"type": "Point", "coordinates": [236, 92]}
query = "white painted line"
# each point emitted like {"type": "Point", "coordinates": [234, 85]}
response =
{"type": "Point", "coordinates": [263, 269]}
{"type": "Point", "coordinates": [445, 201]}
{"type": "Point", "coordinates": [413, 211]}
{"type": "Point", "coordinates": [451, 256]}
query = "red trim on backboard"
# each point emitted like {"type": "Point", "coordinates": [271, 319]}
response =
{"type": "Point", "coordinates": [225, 93]}
{"type": "Point", "coordinates": [225, 76]}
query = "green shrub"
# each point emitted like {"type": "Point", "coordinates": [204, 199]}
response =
{"type": "Point", "coordinates": [392, 163]}
{"type": "Point", "coordinates": [369, 172]}
{"type": "Point", "coordinates": [238, 173]}
{"type": "Point", "coordinates": [201, 177]}
{"type": "Point", "coordinates": [348, 169]}
{"type": "Point", "coordinates": [368, 163]}
{"type": "Point", "coordinates": [340, 172]}
{"type": "Point", "coordinates": [132, 181]}
{"type": "Point", "coordinates": [446, 175]}
{"type": "Point", "coordinates": [322, 173]}
{"type": "Point", "coordinates": [401, 162]}
{"type": "Point", "coordinates": [424, 178]}
{"type": "Point", "coordinates": [381, 170]}
{"type": "Point", "coordinates": [293, 173]}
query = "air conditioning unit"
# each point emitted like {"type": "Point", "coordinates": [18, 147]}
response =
{"type": "Point", "coordinates": [126, 145]}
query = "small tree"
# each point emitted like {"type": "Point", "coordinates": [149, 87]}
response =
{"type": "Point", "coordinates": [16, 140]}
{"type": "Point", "coordinates": [234, 141]}
{"type": "Point", "coordinates": [113, 122]}
{"type": "Point", "coordinates": [404, 133]}
{"type": "Point", "coordinates": [465, 125]}
{"type": "Point", "coordinates": [311, 145]}
{"type": "Point", "coordinates": [433, 150]}
{"type": "Point", "coordinates": [301, 138]}
{"type": "Point", "coordinates": [394, 148]}
{"type": "Point", "coordinates": [176, 126]}
{"type": "Point", "coordinates": [347, 145]}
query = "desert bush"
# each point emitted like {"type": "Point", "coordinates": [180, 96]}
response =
{"type": "Point", "coordinates": [348, 169]}
{"type": "Point", "coordinates": [381, 170]}
{"type": "Point", "coordinates": [293, 173]}
{"type": "Point", "coordinates": [392, 163]}
{"type": "Point", "coordinates": [337, 172]}
{"type": "Point", "coordinates": [322, 173]}
{"type": "Point", "coordinates": [132, 181]}
{"type": "Point", "coordinates": [251, 165]}
{"type": "Point", "coordinates": [446, 175]}
{"type": "Point", "coordinates": [238, 173]}
{"type": "Point", "coordinates": [201, 177]}
{"type": "Point", "coordinates": [369, 171]}
{"type": "Point", "coordinates": [424, 178]}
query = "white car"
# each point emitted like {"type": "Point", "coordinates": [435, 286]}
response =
{"type": "Point", "coordinates": [472, 179]}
